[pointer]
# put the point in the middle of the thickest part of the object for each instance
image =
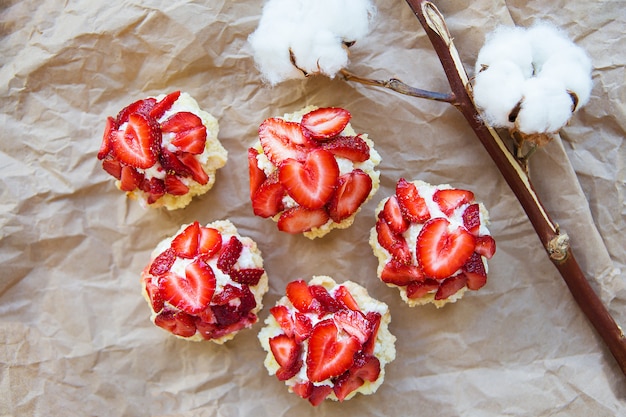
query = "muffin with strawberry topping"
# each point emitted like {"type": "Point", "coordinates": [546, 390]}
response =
{"type": "Point", "coordinates": [311, 172]}
{"type": "Point", "coordinates": [328, 340]}
{"type": "Point", "coordinates": [205, 282]}
{"type": "Point", "coordinates": [432, 242]}
{"type": "Point", "coordinates": [162, 150]}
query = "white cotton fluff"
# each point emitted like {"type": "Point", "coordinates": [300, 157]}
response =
{"type": "Point", "coordinates": [559, 69]}
{"type": "Point", "coordinates": [309, 34]}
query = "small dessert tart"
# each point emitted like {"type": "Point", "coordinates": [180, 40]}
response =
{"type": "Point", "coordinates": [328, 340]}
{"type": "Point", "coordinates": [163, 150]}
{"type": "Point", "coordinates": [205, 282]}
{"type": "Point", "coordinates": [431, 242]}
{"type": "Point", "coordinates": [311, 172]}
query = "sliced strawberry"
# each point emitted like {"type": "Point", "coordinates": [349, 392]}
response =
{"type": "Point", "coordinates": [185, 244]}
{"type": "Point", "coordinates": [105, 147]}
{"type": "Point", "coordinates": [140, 106]}
{"type": "Point", "coordinates": [353, 148]}
{"type": "Point", "coordinates": [325, 123]}
{"type": "Point", "coordinates": [282, 140]}
{"type": "Point", "coordinates": [191, 293]}
{"type": "Point", "coordinates": [287, 353]}
{"type": "Point", "coordinates": [352, 190]}
{"type": "Point", "coordinates": [373, 322]}
{"type": "Point", "coordinates": [418, 289]}
{"type": "Point", "coordinates": [155, 188]}
{"type": "Point", "coordinates": [319, 394]}
{"type": "Point", "coordinates": [192, 141]}
{"type": "Point", "coordinates": [164, 105]}
{"type": "Point", "coordinates": [394, 243]}
{"type": "Point", "coordinates": [163, 262]}
{"type": "Point", "coordinates": [329, 356]}
{"type": "Point", "coordinates": [301, 297]}
{"type": "Point", "coordinates": [229, 254]}
{"type": "Point", "coordinates": [229, 295]}
{"type": "Point", "coordinates": [353, 323]}
{"type": "Point", "coordinates": [471, 218]}
{"type": "Point", "coordinates": [213, 331]}
{"type": "Point", "coordinates": [345, 298]}
{"type": "Point", "coordinates": [400, 274]}
{"type": "Point", "coordinates": [154, 295]}
{"type": "Point", "coordinates": [449, 200]}
{"type": "Point", "coordinates": [195, 168]}
{"type": "Point", "coordinates": [485, 246]}
{"type": "Point", "coordinates": [267, 201]}
{"type": "Point", "coordinates": [209, 242]}
{"type": "Point", "coordinates": [172, 164]}
{"type": "Point", "coordinates": [475, 271]}
{"type": "Point", "coordinates": [365, 369]}
{"type": "Point", "coordinates": [328, 303]}
{"type": "Point", "coordinates": [130, 179]}
{"type": "Point", "coordinates": [412, 205]}
{"type": "Point", "coordinates": [303, 389]}
{"type": "Point", "coordinates": [302, 327]}
{"type": "Point", "coordinates": [451, 286]}
{"type": "Point", "coordinates": [301, 219]}
{"type": "Point", "coordinates": [284, 319]}
{"type": "Point", "coordinates": [256, 174]}
{"type": "Point", "coordinates": [138, 145]}
{"type": "Point", "coordinates": [441, 251]}
{"type": "Point", "coordinates": [174, 186]}
{"type": "Point", "coordinates": [178, 323]}
{"type": "Point", "coordinates": [181, 122]}
{"type": "Point", "coordinates": [247, 276]}
{"type": "Point", "coordinates": [392, 214]}
{"type": "Point", "coordinates": [113, 167]}
{"type": "Point", "coordinates": [312, 182]}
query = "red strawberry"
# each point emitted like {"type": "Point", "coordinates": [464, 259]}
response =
{"type": "Point", "coordinates": [185, 244]}
{"type": "Point", "coordinates": [256, 174]}
{"type": "Point", "coordinates": [325, 123]}
{"type": "Point", "coordinates": [471, 218]}
{"type": "Point", "coordinates": [303, 389]}
{"type": "Point", "coordinates": [154, 295]}
{"type": "Point", "coordinates": [312, 182]}
{"type": "Point", "coordinates": [328, 356]}
{"type": "Point", "coordinates": [209, 242]}
{"type": "Point", "coordinates": [301, 219]}
{"type": "Point", "coordinates": [400, 274]}
{"type": "Point", "coordinates": [113, 167]}
{"type": "Point", "coordinates": [449, 200]}
{"type": "Point", "coordinates": [164, 105]}
{"type": "Point", "coordinates": [412, 205]}
{"type": "Point", "coordinates": [287, 354]}
{"type": "Point", "coordinates": [450, 286]}
{"type": "Point", "coordinates": [246, 276]}
{"type": "Point", "coordinates": [319, 394]}
{"type": "Point", "coordinates": [140, 106]}
{"type": "Point", "coordinates": [181, 122]}
{"type": "Point", "coordinates": [283, 318]}
{"type": "Point", "coordinates": [192, 141]}
{"type": "Point", "coordinates": [301, 297]}
{"type": "Point", "coordinates": [441, 251]}
{"type": "Point", "coordinates": [367, 369]}
{"type": "Point", "coordinates": [178, 323]}
{"type": "Point", "coordinates": [373, 322]}
{"type": "Point", "coordinates": [138, 145]}
{"type": "Point", "coordinates": [353, 148]}
{"type": "Point", "coordinates": [352, 191]}
{"type": "Point", "coordinates": [485, 246]}
{"type": "Point", "coordinates": [418, 289]}
{"type": "Point", "coordinates": [195, 168]}
{"type": "Point", "coordinates": [282, 140]}
{"type": "Point", "coordinates": [130, 179]}
{"type": "Point", "coordinates": [172, 164]}
{"type": "Point", "coordinates": [163, 262]}
{"type": "Point", "coordinates": [475, 271]}
{"type": "Point", "coordinates": [267, 201]}
{"type": "Point", "coordinates": [155, 188]}
{"type": "Point", "coordinates": [229, 254]}
{"type": "Point", "coordinates": [191, 293]}
{"type": "Point", "coordinates": [174, 186]}
{"type": "Point", "coordinates": [105, 147]}
{"type": "Point", "coordinates": [328, 303]}
{"type": "Point", "coordinates": [345, 298]}
{"type": "Point", "coordinates": [394, 243]}
{"type": "Point", "coordinates": [392, 214]}
{"type": "Point", "coordinates": [303, 327]}
{"type": "Point", "coordinates": [353, 323]}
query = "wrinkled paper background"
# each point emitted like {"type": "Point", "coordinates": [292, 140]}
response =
{"type": "Point", "coordinates": [75, 336]}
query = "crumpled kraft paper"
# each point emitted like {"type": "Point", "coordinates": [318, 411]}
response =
{"type": "Point", "coordinates": [75, 335]}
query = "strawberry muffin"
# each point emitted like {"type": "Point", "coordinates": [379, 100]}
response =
{"type": "Point", "coordinates": [162, 150]}
{"type": "Point", "coordinates": [327, 340]}
{"type": "Point", "coordinates": [311, 172]}
{"type": "Point", "coordinates": [431, 242]}
{"type": "Point", "coordinates": [205, 282]}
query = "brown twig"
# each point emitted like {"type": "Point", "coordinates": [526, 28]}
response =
{"type": "Point", "coordinates": [555, 241]}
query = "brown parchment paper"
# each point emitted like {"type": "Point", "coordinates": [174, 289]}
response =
{"type": "Point", "coordinates": [75, 335]}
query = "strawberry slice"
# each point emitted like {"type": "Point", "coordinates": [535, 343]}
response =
{"type": "Point", "coordinates": [471, 218]}
{"type": "Point", "coordinates": [451, 286]}
{"type": "Point", "coordinates": [485, 246]}
{"type": "Point", "coordinates": [181, 122]}
{"type": "Point", "coordinates": [178, 323]}
{"type": "Point", "coordinates": [400, 274]}
{"type": "Point", "coordinates": [310, 183]}
{"type": "Point", "coordinates": [418, 289]}
{"type": "Point", "coordinates": [353, 148]}
{"type": "Point", "coordinates": [142, 106]}
{"type": "Point", "coordinates": [192, 141]}
{"type": "Point", "coordinates": [246, 276]}
{"type": "Point", "coordinates": [329, 356]}
{"type": "Point", "coordinates": [394, 243]}
{"type": "Point", "coordinates": [373, 322]}
{"type": "Point", "coordinates": [267, 200]}
{"type": "Point", "coordinates": [364, 369]}
{"type": "Point", "coordinates": [346, 299]}
{"type": "Point", "coordinates": [441, 251]}
{"type": "Point", "coordinates": [284, 319]}
{"type": "Point", "coordinates": [319, 394]}
{"type": "Point", "coordinates": [155, 188]}
{"type": "Point", "coordinates": [209, 242]}
{"type": "Point", "coordinates": [412, 205]}
{"type": "Point", "coordinates": [475, 272]}
{"type": "Point", "coordinates": [392, 214]}
{"type": "Point", "coordinates": [172, 164]}
{"type": "Point", "coordinates": [113, 167]}
{"type": "Point", "coordinates": [191, 293]}
{"type": "Point", "coordinates": [164, 105]}
{"type": "Point", "coordinates": [138, 145]}
{"type": "Point", "coordinates": [353, 323]}
{"type": "Point", "coordinates": [282, 140]}
{"type": "Point", "coordinates": [352, 190]}
{"type": "Point", "coordinates": [154, 295]}
{"type": "Point", "coordinates": [325, 123]}
{"type": "Point", "coordinates": [303, 327]}
{"type": "Point", "coordinates": [303, 389]}
{"type": "Point", "coordinates": [301, 219]}
{"type": "Point", "coordinates": [130, 179]}
{"type": "Point", "coordinates": [256, 174]}
{"type": "Point", "coordinates": [229, 254]}
{"type": "Point", "coordinates": [195, 168]}
{"type": "Point", "coordinates": [328, 303]}
{"type": "Point", "coordinates": [174, 186]}
{"type": "Point", "coordinates": [287, 354]}
{"type": "Point", "coordinates": [105, 147]}
{"type": "Point", "coordinates": [301, 297]}
{"type": "Point", "coordinates": [449, 200]}
{"type": "Point", "coordinates": [163, 262]}
{"type": "Point", "coordinates": [185, 244]}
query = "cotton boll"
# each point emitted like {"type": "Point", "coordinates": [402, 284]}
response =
{"type": "Point", "coordinates": [546, 41]}
{"type": "Point", "coordinates": [319, 52]}
{"type": "Point", "coordinates": [546, 107]}
{"type": "Point", "coordinates": [497, 90]}
{"type": "Point", "coordinates": [271, 54]}
{"type": "Point", "coordinates": [507, 44]}
{"type": "Point", "coordinates": [574, 76]}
